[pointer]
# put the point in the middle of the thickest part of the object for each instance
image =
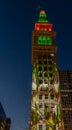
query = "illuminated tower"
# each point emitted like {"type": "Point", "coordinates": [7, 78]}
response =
{"type": "Point", "coordinates": [46, 108]}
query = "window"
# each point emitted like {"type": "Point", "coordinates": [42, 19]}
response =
{"type": "Point", "coordinates": [50, 62]}
{"type": "Point", "coordinates": [39, 40]}
{"type": "Point", "coordinates": [51, 82]}
{"type": "Point", "coordinates": [45, 74]}
{"type": "Point", "coordinates": [46, 105]}
{"type": "Point", "coordinates": [40, 127]}
{"type": "Point", "coordinates": [40, 81]}
{"type": "Point", "coordinates": [40, 68]}
{"type": "Point", "coordinates": [44, 40]}
{"type": "Point", "coordinates": [50, 68]}
{"type": "Point", "coordinates": [40, 74]}
{"type": "Point", "coordinates": [49, 57]}
{"type": "Point", "coordinates": [44, 56]}
{"type": "Point", "coordinates": [40, 105]}
{"type": "Point", "coordinates": [40, 56]}
{"type": "Point", "coordinates": [40, 62]}
{"type": "Point", "coordinates": [46, 127]}
{"type": "Point", "coordinates": [45, 62]}
{"type": "Point", "coordinates": [40, 96]}
{"type": "Point", "coordinates": [52, 96]}
{"type": "Point", "coordinates": [50, 74]}
{"type": "Point", "coordinates": [52, 105]}
{"type": "Point", "coordinates": [46, 96]}
{"type": "Point", "coordinates": [49, 41]}
{"type": "Point", "coordinates": [45, 68]}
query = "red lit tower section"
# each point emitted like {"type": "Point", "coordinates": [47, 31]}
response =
{"type": "Point", "coordinates": [46, 111]}
{"type": "Point", "coordinates": [43, 26]}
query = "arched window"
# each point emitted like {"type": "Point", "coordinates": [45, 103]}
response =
{"type": "Point", "coordinates": [49, 41]}
{"type": "Point", "coordinates": [39, 40]}
{"type": "Point", "coordinates": [44, 40]}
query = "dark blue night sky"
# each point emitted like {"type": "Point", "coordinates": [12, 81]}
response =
{"type": "Point", "coordinates": [17, 20]}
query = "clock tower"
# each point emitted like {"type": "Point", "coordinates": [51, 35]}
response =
{"type": "Point", "coordinates": [46, 107]}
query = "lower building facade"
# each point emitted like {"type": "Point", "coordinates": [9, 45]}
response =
{"type": "Point", "coordinates": [5, 123]}
{"type": "Point", "coordinates": [65, 77]}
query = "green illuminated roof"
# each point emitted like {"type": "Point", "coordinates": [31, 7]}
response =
{"type": "Point", "coordinates": [42, 17]}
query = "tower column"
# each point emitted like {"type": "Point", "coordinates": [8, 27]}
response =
{"type": "Point", "coordinates": [46, 99]}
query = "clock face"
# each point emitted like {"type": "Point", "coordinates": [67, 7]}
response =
{"type": "Point", "coordinates": [43, 40]}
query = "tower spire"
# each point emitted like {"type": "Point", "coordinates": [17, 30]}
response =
{"type": "Point", "coordinates": [42, 16]}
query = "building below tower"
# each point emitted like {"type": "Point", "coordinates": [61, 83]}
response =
{"type": "Point", "coordinates": [66, 96]}
{"type": "Point", "coordinates": [5, 123]}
